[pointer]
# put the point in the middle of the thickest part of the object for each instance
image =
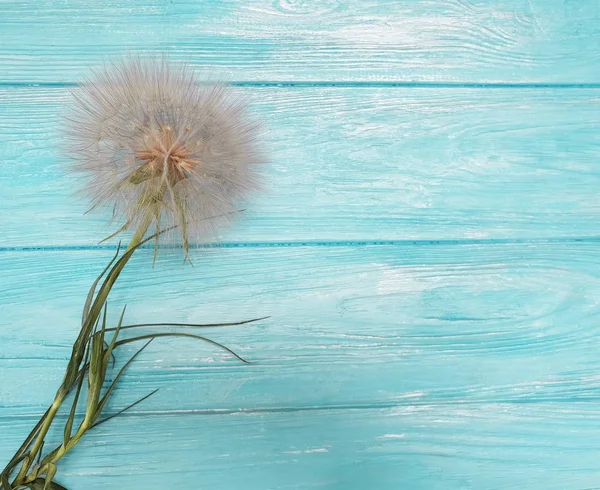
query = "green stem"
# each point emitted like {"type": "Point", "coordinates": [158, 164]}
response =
{"type": "Point", "coordinates": [42, 434]}
{"type": "Point", "coordinates": [62, 392]}
{"type": "Point", "coordinates": [140, 233]}
{"type": "Point", "coordinates": [59, 452]}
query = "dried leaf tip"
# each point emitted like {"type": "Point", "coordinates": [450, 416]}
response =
{"type": "Point", "coordinates": [164, 150]}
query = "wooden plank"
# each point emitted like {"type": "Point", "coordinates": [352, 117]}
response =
{"type": "Point", "coordinates": [372, 326]}
{"type": "Point", "coordinates": [354, 164]}
{"type": "Point", "coordinates": [548, 446]}
{"type": "Point", "coordinates": [482, 41]}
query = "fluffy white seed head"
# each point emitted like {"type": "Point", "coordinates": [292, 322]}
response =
{"type": "Point", "coordinates": [160, 148]}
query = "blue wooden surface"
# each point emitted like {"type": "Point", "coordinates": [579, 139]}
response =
{"type": "Point", "coordinates": [427, 249]}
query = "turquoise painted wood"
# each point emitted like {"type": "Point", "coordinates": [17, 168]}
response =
{"type": "Point", "coordinates": [427, 249]}
{"type": "Point", "coordinates": [395, 325]}
{"type": "Point", "coordinates": [355, 164]}
{"type": "Point", "coordinates": [439, 41]}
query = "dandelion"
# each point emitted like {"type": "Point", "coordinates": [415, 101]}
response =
{"type": "Point", "coordinates": [168, 154]}
{"type": "Point", "coordinates": [163, 150]}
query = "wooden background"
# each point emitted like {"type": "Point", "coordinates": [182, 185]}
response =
{"type": "Point", "coordinates": [428, 248]}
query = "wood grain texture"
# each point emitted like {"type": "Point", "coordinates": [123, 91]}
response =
{"type": "Point", "coordinates": [427, 249]}
{"type": "Point", "coordinates": [441, 447]}
{"type": "Point", "coordinates": [363, 326]}
{"type": "Point", "coordinates": [354, 164]}
{"type": "Point", "coordinates": [482, 41]}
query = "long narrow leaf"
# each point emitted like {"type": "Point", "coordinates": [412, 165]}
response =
{"type": "Point", "coordinates": [20, 454]}
{"type": "Point", "coordinates": [50, 476]}
{"type": "Point", "coordinates": [39, 456]}
{"type": "Point", "coordinates": [157, 222]}
{"type": "Point", "coordinates": [71, 419]}
{"type": "Point", "coordinates": [111, 346]}
{"type": "Point", "coordinates": [111, 388]}
{"type": "Point", "coordinates": [14, 462]}
{"type": "Point", "coordinates": [49, 457]}
{"type": "Point", "coordinates": [112, 235]}
{"type": "Point", "coordinates": [183, 225]}
{"type": "Point", "coordinates": [97, 370]}
{"type": "Point", "coordinates": [96, 329]}
{"type": "Point", "coordinates": [179, 334]}
{"type": "Point", "coordinates": [126, 408]}
{"type": "Point", "coordinates": [90, 296]}
{"type": "Point", "coordinates": [5, 483]}
{"type": "Point", "coordinates": [194, 325]}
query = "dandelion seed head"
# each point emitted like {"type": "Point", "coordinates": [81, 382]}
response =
{"type": "Point", "coordinates": [160, 147]}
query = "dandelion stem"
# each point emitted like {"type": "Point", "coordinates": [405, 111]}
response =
{"type": "Point", "coordinates": [142, 229]}
{"type": "Point", "coordinates": [73, 369]}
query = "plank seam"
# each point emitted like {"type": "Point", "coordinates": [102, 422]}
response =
{"type": "Point", "coordinates": [350, 84]}
{"type": "Point", "coordinates": [343, 243]}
